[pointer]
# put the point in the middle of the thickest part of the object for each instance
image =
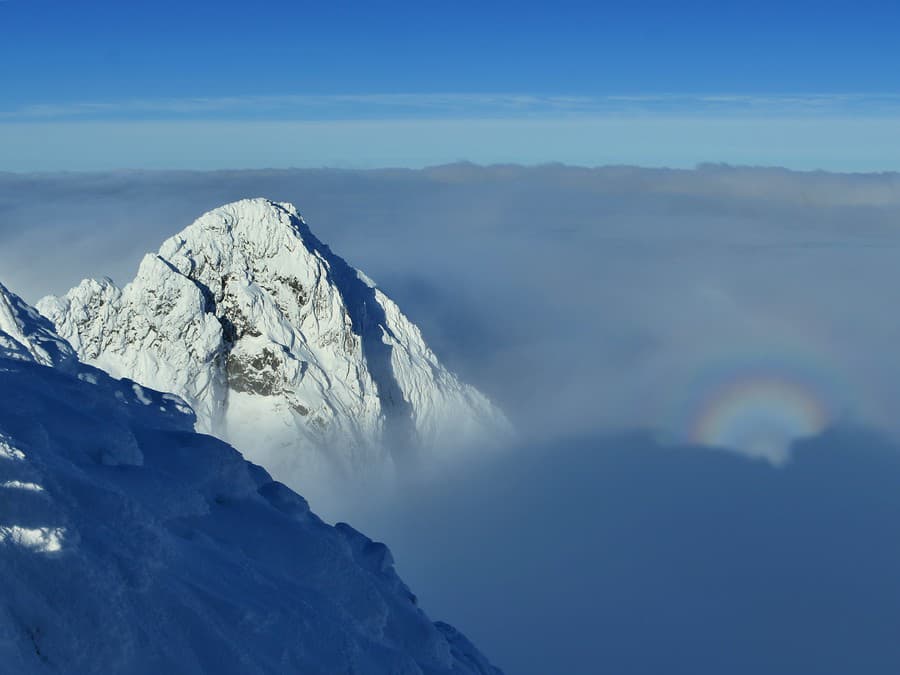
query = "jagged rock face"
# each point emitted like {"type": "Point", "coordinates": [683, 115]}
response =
{"type": "Point", "coordinates": [277, 343]}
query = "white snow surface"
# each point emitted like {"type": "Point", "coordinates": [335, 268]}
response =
{"type": "Point", "coordinates": [131, 544]}
{"type": "Point", "coordinates": [281, 348]}
{"type": "Point", "coordinates": [26, 335]}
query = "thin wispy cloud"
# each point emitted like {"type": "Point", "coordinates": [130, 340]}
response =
{"type": "Point", "coordinates": [459, 106]}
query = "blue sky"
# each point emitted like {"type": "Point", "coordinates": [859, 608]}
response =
{"type": "Point", "coordinates": [104, 85]}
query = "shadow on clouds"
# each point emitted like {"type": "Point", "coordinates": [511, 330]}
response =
{"type": "Point", "coordinates": [619, 555]}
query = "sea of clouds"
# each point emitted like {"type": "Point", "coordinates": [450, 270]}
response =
{"type": "Point", "coordinates": [578, 298]}
{"type": "Point", "coordinates": [622, 317]}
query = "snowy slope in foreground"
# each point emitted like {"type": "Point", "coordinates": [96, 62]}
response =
{"type": "Point", "coordinates": [281, 348]}
{"type": "Point", "coordinates": [131, 544]}
{"type": "Point", "coordinates": [27, 336]}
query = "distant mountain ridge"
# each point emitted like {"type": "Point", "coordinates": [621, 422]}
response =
{"type": "Point", "coordinates": [277, 343]}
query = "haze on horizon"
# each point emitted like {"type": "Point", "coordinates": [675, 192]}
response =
{"type": "Point", "coordinates": [225, 85]}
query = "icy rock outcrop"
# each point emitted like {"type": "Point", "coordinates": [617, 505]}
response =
{"type": "Point", "coordinates": [280, 346]}
{"type": "Point", "coordinates": [131, 544]}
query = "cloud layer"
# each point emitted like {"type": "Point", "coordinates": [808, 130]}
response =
{"type": "Point", "coordinates": [694, 306]}
{"type": "Point", "coordinates": [616, 297]}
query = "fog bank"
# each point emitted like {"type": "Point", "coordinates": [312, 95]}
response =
{"type": "Point", "coordinates": [578, 298]}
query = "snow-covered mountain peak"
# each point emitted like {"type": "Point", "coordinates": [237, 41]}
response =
{"type": "Point", "coordinates": [249, 316]}
{"type": "Point", "coordinates": [266, 224]}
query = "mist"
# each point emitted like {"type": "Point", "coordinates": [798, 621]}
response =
{"type": "Point", "coordinates": [633, 324]}
{"type": "Point", "coordinates": [616, 298]}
